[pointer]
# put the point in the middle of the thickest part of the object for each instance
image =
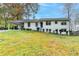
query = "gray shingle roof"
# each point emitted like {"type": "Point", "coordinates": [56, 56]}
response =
{"type": "Point", "coordinates": [39, 20]}
{"type": "Point", "coordinates": [48, 19]}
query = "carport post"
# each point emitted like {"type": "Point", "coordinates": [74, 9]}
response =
{"type": "Point", "coordinates": [19, 27]}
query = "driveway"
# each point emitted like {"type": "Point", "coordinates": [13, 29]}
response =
{"type": "Point", "coordinates": [3, 30]}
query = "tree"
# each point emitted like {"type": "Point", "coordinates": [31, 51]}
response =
{"type": "Point", "coordinates": [35, 8]}
{"type": "Point", "coordinates": [16, 11]}
{"type": "Point", "coordinates": [69, 9]}
{"type": "Point", "coordinates": [3, 13]}
{"type": "Point", "coordinates": [20, 9]}
{"type": "Point", "coordinates": [30, 9]}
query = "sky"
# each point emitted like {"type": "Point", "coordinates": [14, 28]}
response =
{"type": "Point", "coordinates": [50, 10]}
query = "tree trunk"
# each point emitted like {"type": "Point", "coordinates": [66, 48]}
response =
{"type": "Point", "coordinates": [5, 20]}
{"type": "Point", "coordinates": [69, 20]}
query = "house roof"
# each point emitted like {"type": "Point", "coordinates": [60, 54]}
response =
{"type": "Point", "coordinates": [39, 20]}
{"type": "Point", "coordinates": [48, 19]}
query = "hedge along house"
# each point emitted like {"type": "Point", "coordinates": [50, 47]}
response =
{"type": "Point", "coordinates": [52, 25]}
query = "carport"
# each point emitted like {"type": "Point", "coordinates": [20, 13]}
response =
{"type": "Point", "coordinates": [18, 23]}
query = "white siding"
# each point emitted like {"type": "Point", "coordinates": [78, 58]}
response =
{"type": "Point", "coordinates": [53, 26]}
{"type": "Point", "coordinates": [32, 26]}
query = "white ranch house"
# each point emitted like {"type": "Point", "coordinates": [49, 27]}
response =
{"type": "Point", "coordinates": [52, 25]}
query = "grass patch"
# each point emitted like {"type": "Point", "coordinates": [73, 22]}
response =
{"type": "Point", "coordinates": [32, 43]}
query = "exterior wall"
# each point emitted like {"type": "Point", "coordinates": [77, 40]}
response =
{"type": "Point", "coordinates": [53, 26]}
{"type": "Point", "coordinates": [32, 26]}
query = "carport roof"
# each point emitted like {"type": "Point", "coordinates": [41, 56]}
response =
{"type": "Point", "coordinates": [17, 22]}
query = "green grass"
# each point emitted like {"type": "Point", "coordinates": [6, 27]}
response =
{"type": "Point", "coordinates": [31, 43]}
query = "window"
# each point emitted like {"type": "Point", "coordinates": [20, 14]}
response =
{"type": "Point", "coordinates": [50, 30]}
{"type": "Point", "coordinates": [36, 24]}
{"type": "Point", "coordinates": [41, 24]}
{"type": "Point", "coordinates": [46, 30]}
{"type": "Point", "coordinates": [48, 22]}
{"type": "Point", "coordinates": [56, 22]}
{"type": "Point", "coordinates": [56, 30]}
{"type": "Point", "coordinates": [63, 23]}
{"type": "Point", "coordinates": [63, 30]}
{"type": "Point", "coordinates": [28, 24]}
{"type": "Point", "coordinates": [43, 30]}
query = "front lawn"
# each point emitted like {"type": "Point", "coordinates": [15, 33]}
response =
{"type": "Point", "coordinates": [31, 43]}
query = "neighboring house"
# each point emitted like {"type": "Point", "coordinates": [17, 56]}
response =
{"type": "Point", "coordinates": [52, 25]}
{"type": "Point", "coordinates": [75, 25]}
{"type": "Point", "coordinates": [76, 30]}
